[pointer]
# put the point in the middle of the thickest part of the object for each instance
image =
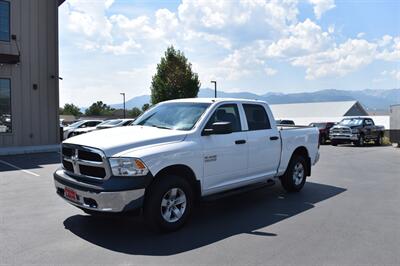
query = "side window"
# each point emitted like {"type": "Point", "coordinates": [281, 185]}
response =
{"type": "Point", "coordinates": [371, 122]}
{"type": "Point", "coordinates": [92, 124]}
{"type": "Point", "coordinates": [257, 118]}
{"type": "Point", "coordinates": [4, 21]}
{"type": "Point", "coordinates": [226, 113]}
{"type": "Point", "coordinates": [368, 122]}
{"type": "Point", "coordinates": [5, 106]}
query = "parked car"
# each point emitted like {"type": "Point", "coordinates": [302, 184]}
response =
{"type": "Point", "coordinates": [115, 123]}
{"type": "Point", "coordinates": [68, 130]}
{"type": "Point", "coordinates": [356, 130]}
{"type": "Point", "coordinates": [284, 122]}
{"type": "Point", "coordinates": [181, 151]}
{"type": "Point", "coordinates": [323, 128]}
{"type": "Point", "coordinates": [103, 125]}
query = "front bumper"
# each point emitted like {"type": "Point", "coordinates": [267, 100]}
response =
{"type": "Point", "coordinates": [99, 197]}
{"type": "Point", "coordinates": [344, 137]}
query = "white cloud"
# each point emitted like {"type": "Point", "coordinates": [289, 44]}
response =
{"type": "Point", "coordinates": [338, 61]}
{"type": "Point", "coordinates": [360, 35]}
{"type": "Point", "coordinates": [395, 74]}
{"type": "Point", "coordinates": [126, 47]}
{"type": "Point", "coordinates": [321, 6]}
{"type": "Point", "coordinates": [228, 17]}
{"type": "Point", "coordinates": [89, 18]}
{"type": "Point", "coordinates": [270, 71]}
{"type": "Point", "coordinates": [304, 37]}
{"type": "Point", "coordinates": [391, 48]}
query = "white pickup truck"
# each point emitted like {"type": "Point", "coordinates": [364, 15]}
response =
{"type": "Point", "coordinates": [181, 151]}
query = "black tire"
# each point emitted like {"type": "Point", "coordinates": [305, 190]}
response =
{"type": "Point", "coordinates": [378, 141]}
{"type": "Point", "coordinates": [361, 141]}
{"type": "Point", "coordinates": [288, 180]}
{"type": "Point", "coordinates": [334, 143]}
{"type": "Point", "coordinates": [153, 209]}
{"type": "Point", "coordinates": [323, 140]}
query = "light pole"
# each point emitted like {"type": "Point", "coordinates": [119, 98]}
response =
{"type": "Point", "coordinates": [215, 88]}
{"type": "Point", "coordinates": [123, 95]}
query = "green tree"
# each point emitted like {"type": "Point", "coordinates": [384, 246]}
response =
{"type": "Point", "coordinates": [99, 109]}
{"type": "Point", "coordinates": [174, 78]}
{"type": "Point", "coordinates": [70, 109]}
{"type": "Point", "coordinates": [135, 112]}
{"type": "Point", "coordinates": [145, 107]}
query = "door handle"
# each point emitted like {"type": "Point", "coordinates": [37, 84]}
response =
{"type": "Point", "coordinates": [240, 141]}
{"type": "Point", "coordinates": [274, 138]}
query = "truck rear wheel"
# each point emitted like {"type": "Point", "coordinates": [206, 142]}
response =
{"type": "Point", "coordinates": [295, 176]}
{"type": "Point", "coordinates": [168, 203]}
{"type": "Point", "coordinates": [379, 140]}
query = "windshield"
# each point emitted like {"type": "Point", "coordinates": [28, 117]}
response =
{"type": "Point", "coordinates": [110, 122]}
{"type": "Point", "coordinates": [351, 122]}
{"type": "Point", "coordinates": [179, 116]}
{"type": "Point", "coordinates": [76, 124]}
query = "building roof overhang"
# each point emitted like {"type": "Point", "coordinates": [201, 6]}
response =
{"type": "Point", "coordinates": [9, 59]}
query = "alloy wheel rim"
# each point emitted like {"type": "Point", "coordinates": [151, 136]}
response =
{"type": "Point", "coordinates": [298, 173]}
{"type": "Point", "coordinates": [173, 205]}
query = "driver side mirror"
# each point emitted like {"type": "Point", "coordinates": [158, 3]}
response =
{"type": "Point", "coordinates": [218, 128]}
{"type": "Point", "coordinates": [82, 126]}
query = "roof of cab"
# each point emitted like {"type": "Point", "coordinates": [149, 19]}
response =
{"type": "Point", "coordinates": [213, 100]}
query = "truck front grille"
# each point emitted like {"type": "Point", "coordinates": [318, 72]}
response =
{"type": "Point", "coordinates": [341, 130]}
{"type": "Point", "coordinates": [84, 162]}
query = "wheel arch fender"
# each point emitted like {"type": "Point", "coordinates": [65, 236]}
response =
{"type": "Point", "coordinates": [182, 171]}
{"type": "Point", "coordinates": [302, 151]}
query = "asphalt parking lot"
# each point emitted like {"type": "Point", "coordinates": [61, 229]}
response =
{"type": "Point", "coordinates": [347, 213]}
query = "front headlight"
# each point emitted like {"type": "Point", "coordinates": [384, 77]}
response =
{"type": "Point", "coordinates": [128, 167]}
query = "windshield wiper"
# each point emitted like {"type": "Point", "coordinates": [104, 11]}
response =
{"type": "Point", "coordinates": [162, 127]}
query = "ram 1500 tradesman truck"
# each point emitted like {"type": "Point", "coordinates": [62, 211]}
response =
{"type": "Point", "coordinates": [180, 151]}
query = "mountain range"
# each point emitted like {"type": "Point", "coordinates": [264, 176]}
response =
{"type": "Point", "coordinates": [372, 100]}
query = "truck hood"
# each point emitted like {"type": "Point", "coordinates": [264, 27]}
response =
{"type": "Point", "coordinates": [343, 126]}
{"type": "Point", "coordinates": [120, 139]}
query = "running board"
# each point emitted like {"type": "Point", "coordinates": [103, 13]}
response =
{"type": "Point", "coordinates": [240, 190]}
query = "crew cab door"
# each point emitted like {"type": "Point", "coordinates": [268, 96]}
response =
{"type": "Point", "coordinates": [369, 128]}
{"type": "Point", "coordinates": [264, 142]}
{"type": "Point", "coordinates": [225, 155]}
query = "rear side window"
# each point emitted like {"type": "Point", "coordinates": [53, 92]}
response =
{"type": "Point", "coordinates": [257, 118]}
{"type": "Point", "coordinates": [92, 124]}
{"type": "Point", "coordinates": [226, 113]}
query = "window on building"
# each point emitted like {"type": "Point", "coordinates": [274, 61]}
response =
{"type": "Point", "coordinates": [4, 21]}
{"type": "Point", "coordinates": [257, 118]}
{"type": "Point", "coordinates": [5, 106]}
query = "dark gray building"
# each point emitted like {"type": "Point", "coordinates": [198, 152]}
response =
{"type": "Point", "coordinates": [29, 92]}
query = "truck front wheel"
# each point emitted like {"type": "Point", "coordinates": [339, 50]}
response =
{"type": "Point", "coordinates": [295, 176]}
{"type": "Point", "coordinates": [168, 203]}
{"type": "Point", "coordinates": [361, 141]}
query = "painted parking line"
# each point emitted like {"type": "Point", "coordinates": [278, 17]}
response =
{"type": "Point", "coordinates": [18, 168]}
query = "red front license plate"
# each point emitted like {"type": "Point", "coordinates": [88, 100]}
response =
{"type": "Point", "coordinates": [70, 194]}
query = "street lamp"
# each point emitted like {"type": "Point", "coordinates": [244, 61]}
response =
{"type": "Point", "coordinates": [123, 95]}
{"type": "Point", "coordinates": [215, 88]}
